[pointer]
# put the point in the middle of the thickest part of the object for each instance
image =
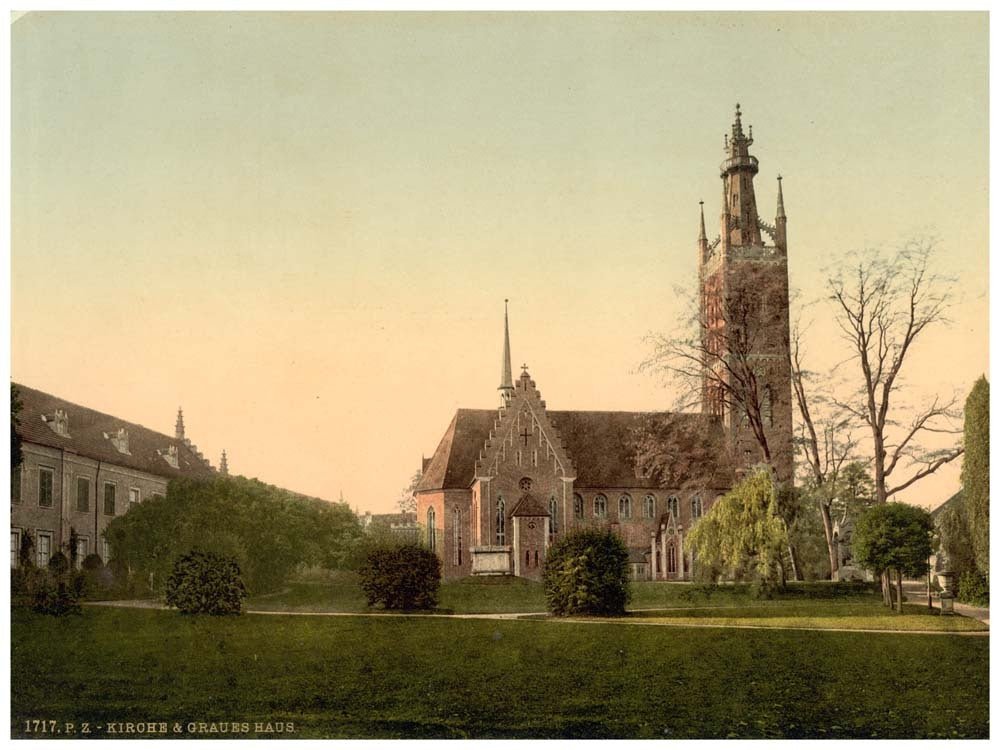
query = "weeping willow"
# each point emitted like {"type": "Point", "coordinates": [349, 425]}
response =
{"type": "Point", "coordinates": [742, 537]}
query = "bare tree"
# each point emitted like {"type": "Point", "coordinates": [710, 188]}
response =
{"type": "Point", "coordinates": [882, 306]}
{"type": "Point", "coordinates": [826, 449]}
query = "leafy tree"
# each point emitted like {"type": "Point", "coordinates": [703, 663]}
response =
{"type": "Point", "coordinates": [58, 563]}
{"type": "Point", "coordinates": [404, 576]}
{"type": "Point", "coordinates": [976, 472]}
{"type": "Point", "coordinates": [269, 531]}
{"type": "Point", "coordinates": [587, 572]}
{"type": "Point", "coordinates": [206, 583]}
{"type": "Point", "coordinates": [16, 457]}
{"type": "Point", "coordinates": [743, 535]}
{"type": "Point", "coordinates": [894, 537]}
{"type": "Point", "coordinates": [973, 588]}
{"type": "Point", "coordinates": [956, 541]}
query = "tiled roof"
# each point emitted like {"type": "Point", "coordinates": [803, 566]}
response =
{"type": "Point", "coordinates": [600, 444]}
{"type": "Point", "coordinates": [87, 429]}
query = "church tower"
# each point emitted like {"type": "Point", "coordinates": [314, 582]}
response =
{"type": "Point", "coordinates": [744, 315]}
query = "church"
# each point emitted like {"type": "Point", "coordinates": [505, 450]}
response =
{"type": "Point", "coordinates": [505, 483]}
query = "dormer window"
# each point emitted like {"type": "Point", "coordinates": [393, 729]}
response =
{"type": "Point", "coordinates": [58, 422]}
{"type": "Point", "coordinates": [119, 440]}
{"type": "Point", "coordinates": [169, 455]}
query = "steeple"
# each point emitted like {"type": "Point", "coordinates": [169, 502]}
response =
{"type": "Point", "coordinates": [506, 379]}
{"type": "Point", "coordinates": [179, 427]}
{"type": "Point", "coordinates": [781, 201]}
{"type": "Point", "coordinates": [701, 233]}
{"type": "Point", "coordinates": [739, 214]}
{"type": "Point", "coordinates": [224, 464]}
{"type": "Point", "coordinates": [780, 221]}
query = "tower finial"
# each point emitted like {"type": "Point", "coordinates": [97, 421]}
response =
{"type": "Point", "coordinates": [781, 201]}
{"type": "Point", "coordinates": [179, 426]}
{"type": "Point", "coordinates": [224, 464]}
{"type": "Point", "coordinates": [702, 237]}
{"type": "Point", "coordinates": [506, 378]}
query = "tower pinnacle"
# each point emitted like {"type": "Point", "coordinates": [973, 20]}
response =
{"type": "Point", "coordinates": [702, 237]}
{"type": "Point", "coordinates": [179, 427]}
{"type": "Point", "coordinates": [740, 226]}
{"type": "Point", "coordinates": [781, 201]}
{"type": "Point", "coordinates": [224, 464]}
{"type": "Point", "coordinates": [506, 379]}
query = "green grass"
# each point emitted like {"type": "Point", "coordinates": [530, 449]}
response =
{"type": "Point", "coordinates": [824, 615]}
{"type": "Point", "coordinates": [434, 677]}
{"type": "Point", "coordinates": [340, 593]}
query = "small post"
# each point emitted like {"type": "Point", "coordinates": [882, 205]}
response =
{"type": "Point", "coordinates": [930, 601]}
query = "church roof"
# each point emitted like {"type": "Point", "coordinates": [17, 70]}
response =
{"type": "Point", "coordinates": [89, 436]}
{"type": "Point", "coordinates": [598, 442]}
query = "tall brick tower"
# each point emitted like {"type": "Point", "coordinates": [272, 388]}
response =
{"type": "Point", "coordinates": [744, 315]}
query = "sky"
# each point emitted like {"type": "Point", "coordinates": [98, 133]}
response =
{"type": "Point", "coordinates": [302, 227]}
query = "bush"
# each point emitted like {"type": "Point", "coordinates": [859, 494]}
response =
{"type": "Point", "coordinates": [973, 588]}
{"type": "Point", "coordinates": [587, 573]}
{"type": "Point", "coordinates": [54, 595]}
{"type": "Point", "coordinates": [206, 583]}
{"type": "Point", "coordinates": [58, 563]}
{"type": "Point", "coordinates": [403, 576]}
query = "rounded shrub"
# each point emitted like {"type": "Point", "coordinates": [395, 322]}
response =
{"type": "Point", "coordinates": [54, 595]}
{"type": "Point", "coordinates": [587, 573]}
{"type": "Point", "coordinates": [404, 576]}
{"type": "Point", "coordinates": [206, 583]}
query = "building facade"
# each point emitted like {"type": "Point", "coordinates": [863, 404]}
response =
{"type": "Point", "coordinates": [81, 468]}
{"type": "Point", "coordinates": [504, 483]}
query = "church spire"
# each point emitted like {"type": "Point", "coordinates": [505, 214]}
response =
{"type": "Point", "coordinates": [224, 464]}
{"type": "Point", "coordinates": [740, 223]}
{"type": "Point", "coordinates": [781, 201]}
{"type": "Point", "coordinates": [506, 379]}
{"type": "Point", "coordinates": [179, 426]}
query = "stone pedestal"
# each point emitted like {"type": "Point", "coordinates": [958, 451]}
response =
{"type": "Point", "coordinates": [491, 561]}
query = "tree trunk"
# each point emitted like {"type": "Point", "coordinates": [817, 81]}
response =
{"type": "Point", "coordinates": [830, 546]}
{"type": "Point", "coordinates": [886, 589]}
{"type": "Point", "coordinates": [796, 567]}
{"type": "Point", "coordinates": [899, 589]}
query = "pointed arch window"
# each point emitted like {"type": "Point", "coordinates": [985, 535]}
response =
{"type": "Point", "coordinates": [649, 507]}
{"type": "Point", "coordinates": [625, 506]}
{"type": "Point", "coordinates": [672, 507]}
{"type": "Point", "coordinates": [501, 523]}
{"type": "Point", "coordinates": [671, 559]}
{"type": "Point", "coordinates": [431, 531]}
{"type": "Point", "coordinates": [553, 518]}
{"type": "Point", "coordinates": [578, 506]}
{"type": "Point", "coordinates": [457, 522]}
{"type": "Point", "coordinates": [600, 506]}
{"type": "Point", "coordinates": [696, 506]}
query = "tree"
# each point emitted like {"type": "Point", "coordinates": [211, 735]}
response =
{"type": "Point", "coordinates": [587, 573]}
{"type": "Point", "coordinates": [956, 540]}
{"type": "Point", "coordinates": [404, 576]}
{"type": "Point", "coordinates": [743, 535]}
{"type": "Point", "coordinates": [894, 537]}
{"type": "Point", "coordinates": [975, 498]}
{"type": "Point", "coordinates": [408, 497]}
{"type": "Point", "coordinates": [16, 457]}
{"type": "Point", "coordinates": [269, 531]}
{"type": "Point", "coordinates": [882, 307]}
{"type": "Point", "coordinates": [713, 356]}
{"type": "Point", "coordinates": [206, 583]}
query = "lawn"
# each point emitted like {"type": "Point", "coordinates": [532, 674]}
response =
{"type": "Point", "coordinates": [340, 593]}
{"type": "Point", "coordinates": [438, 677]}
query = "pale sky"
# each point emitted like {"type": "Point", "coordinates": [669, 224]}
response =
{"type": "Point", "coordinates": [302, 227]}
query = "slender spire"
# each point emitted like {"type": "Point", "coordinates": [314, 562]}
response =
{"type": "Point", "coordinates": [224, 464]}
{"type": "Point", "coordinates": [506, 379]}
{"type": "Point", "coordinates": [702, 237]}
{"type": "Point", "coordinates": [781, 200]}
{"type": "Point", "coordinates": [179, 427]}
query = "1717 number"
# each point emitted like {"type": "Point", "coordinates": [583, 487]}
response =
{"type": "Point", "coordinates": [40, 726]}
